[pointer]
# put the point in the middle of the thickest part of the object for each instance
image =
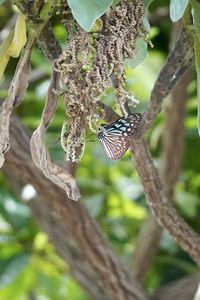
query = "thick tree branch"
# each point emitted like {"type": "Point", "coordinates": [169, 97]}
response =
{"type": "Point", "coordinates": [65, 247]}
{"type": "Point", "coordinates": [75, 220]}
{"type": "Point", "coordinates": [79, 267]}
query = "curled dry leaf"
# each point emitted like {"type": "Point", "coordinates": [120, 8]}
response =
{"type": "Point", "coordinates": [16, 92]}
{"type": "Point", "coordinates": [40, 155]}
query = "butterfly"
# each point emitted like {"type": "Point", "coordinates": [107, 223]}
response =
{"type": "Point", "coordinates": [114, 137]}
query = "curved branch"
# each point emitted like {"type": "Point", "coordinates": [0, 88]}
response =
{"type": "Point", "coordinates": [176, 64]}
{"type": "Point", "coordinates": [159, 203]}
{"type": "Point", "coordinates": [173, 147]}
{"type": "Point", "coordinates": [75, 220]}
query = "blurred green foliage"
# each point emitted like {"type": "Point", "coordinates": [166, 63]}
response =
{"type": "Point", "coordinates": [29, 266]}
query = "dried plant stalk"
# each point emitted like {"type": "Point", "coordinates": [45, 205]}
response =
{"type": "Point", "coordinates": [40, 155]}
{"type": "Point", "coordinates": [87, 66]}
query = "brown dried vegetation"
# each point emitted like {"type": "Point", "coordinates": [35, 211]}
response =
{"type": "Point", "coordinates": [90, 64]}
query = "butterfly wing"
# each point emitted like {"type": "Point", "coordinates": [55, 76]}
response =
{"type": "Point", "coordinates": [114, 137]}
{"type": "Point", "coordinates": [114, 146]}
{"type": "Point", "coordinates": [125, 126]}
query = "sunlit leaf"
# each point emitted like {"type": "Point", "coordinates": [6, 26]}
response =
{"type": "Point", "coordinates": [88, 11]}
{"type": "Point", "coordinates": [4, 57]}
{"type": "Point", "coordinates": [19, 38]}
{"type": "Point", "coordinates": [177, 9]}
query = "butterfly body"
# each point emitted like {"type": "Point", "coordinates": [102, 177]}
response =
{"type": "Point", "coordinates": [114, 137]}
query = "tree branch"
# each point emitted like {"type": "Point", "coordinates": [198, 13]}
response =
{"type": "Point", "coordinates": [159, 203]}
{"type": "Point", "coordinates": [75, 220]}
{"type": "Point", "coordinates": [65, 247]}
{"type": "Point", "coordinates": [173, 147]}
{"type": "Point", "coordinates": [79, 267]}
{"type": "Point", "coordinates": [176, 64]}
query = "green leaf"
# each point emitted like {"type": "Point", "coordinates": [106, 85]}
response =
{"type": "Point", "coordinates": [141, 52]}
{"type": "Point", "coordinates": [177, 9]}
{"type": "Point", "coordinates": [1, 1]}
{"type": "Point", "coordinates": [196, 20]}
{"type": "Point", "coordinates": [88, 11]}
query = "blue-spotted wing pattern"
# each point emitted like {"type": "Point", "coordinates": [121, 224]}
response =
{"type": "Point", "coordinates": [114, 137]}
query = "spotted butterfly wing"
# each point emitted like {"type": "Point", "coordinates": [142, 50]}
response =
{"type": "Point", "coordinates": [114, 137]}
{"type": "Point", "coordinates": [114, 146]}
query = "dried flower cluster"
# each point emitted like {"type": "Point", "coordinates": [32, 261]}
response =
{"type": "Point", "coordinates": [90, 64]}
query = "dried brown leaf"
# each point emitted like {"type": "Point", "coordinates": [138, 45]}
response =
{"type": "Point", "coordinates": [16, 93]}
{"type": "Point", "coordinates": [40, 155]}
